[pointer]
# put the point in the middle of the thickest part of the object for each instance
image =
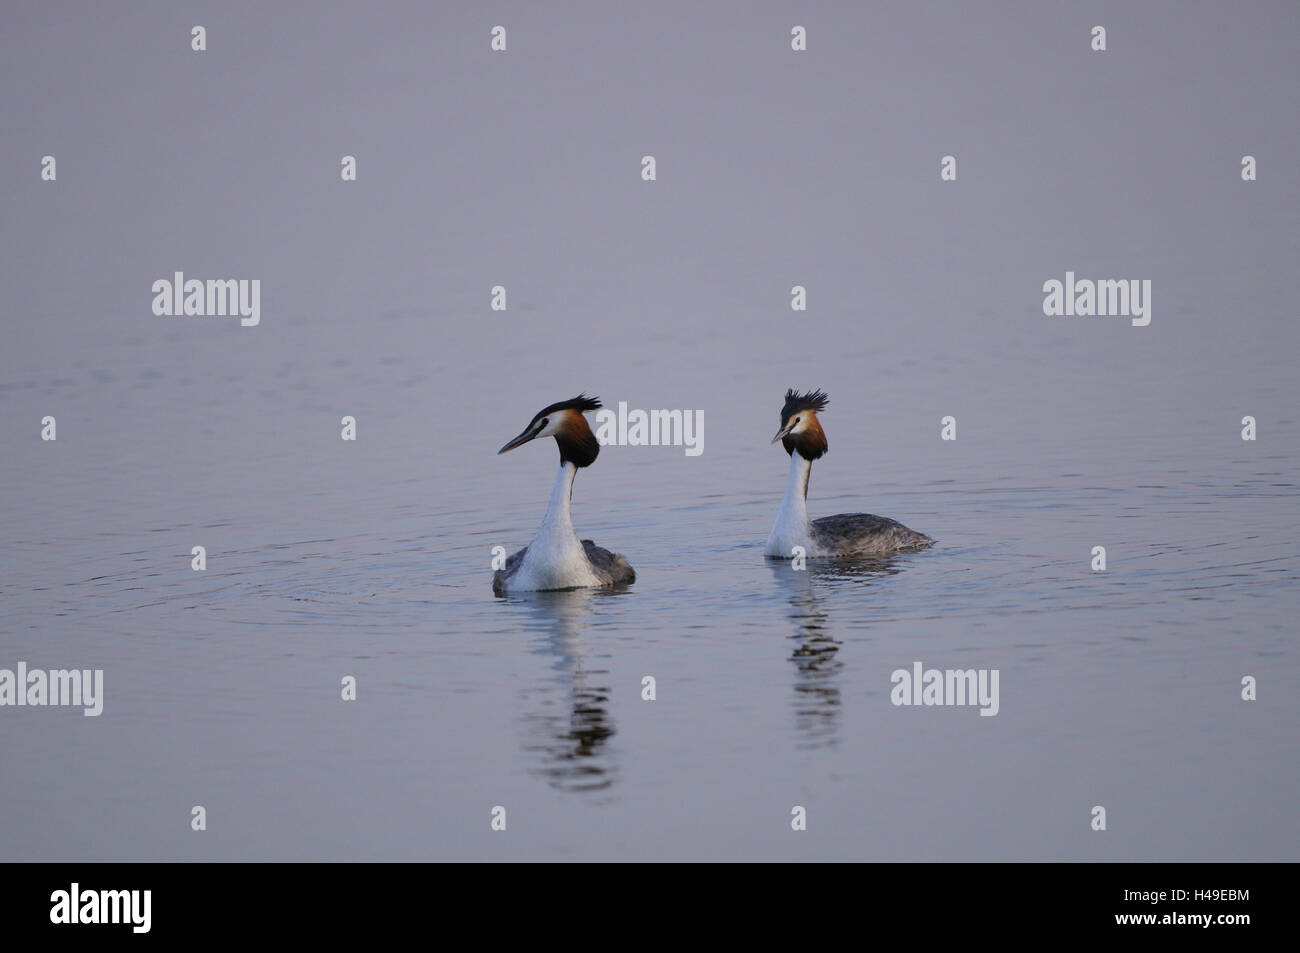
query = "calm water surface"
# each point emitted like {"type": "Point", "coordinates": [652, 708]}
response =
{"type": "Point", "coordinates": [371, 559]}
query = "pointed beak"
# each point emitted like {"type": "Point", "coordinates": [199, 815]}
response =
{"type": "Point", "coordinates": [782, 432]}
{"type": "Point", "coordinates": [519, 441]}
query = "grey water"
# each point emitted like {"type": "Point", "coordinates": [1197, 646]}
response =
{"type": "Point", "coordinates": [372, 558]}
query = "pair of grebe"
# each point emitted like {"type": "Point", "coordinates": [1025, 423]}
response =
{"type": "Point", "coordinates": [557, 559]}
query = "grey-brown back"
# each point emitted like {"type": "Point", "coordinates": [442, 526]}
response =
{"type": "Point", "coordinates": [862, 534]}
{"type": "Point", "coordinates": [501, 575]}
{"type": "Point", "coordinates": [612, 568]}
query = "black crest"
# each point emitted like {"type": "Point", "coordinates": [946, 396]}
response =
{"type": "Point", "coordinates": [581, 403]}
{"type": "Point", "coordinates": [795, 402]}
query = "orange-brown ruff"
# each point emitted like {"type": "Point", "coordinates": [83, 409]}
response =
{"type": "Point", "coordinates": [847, 534]}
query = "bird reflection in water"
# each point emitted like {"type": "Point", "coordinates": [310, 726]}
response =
{"type": "Point", "coordinates": [816, 650]}
{"type": "Point", "coordinates": [572, 727]}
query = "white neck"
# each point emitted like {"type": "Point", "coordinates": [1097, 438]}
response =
{"type": "Point", "coordinates": [557, 511]}
{"type": "Point", "coordinates": [791, 526]}
{"type": "Point", "coordinates": [796, 487]}
{"type": "Point", "coordinates": [555, 559]}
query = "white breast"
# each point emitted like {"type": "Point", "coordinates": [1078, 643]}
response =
{"type": "Point", "coordinates": [555, 560]}
{"type": "Point", "coordinates": [788, 532]}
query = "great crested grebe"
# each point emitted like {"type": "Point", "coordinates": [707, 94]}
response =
{"type": "Point", "coordinates": [555, 559]}
{"type": "Point", "coordinates": [848, 534]}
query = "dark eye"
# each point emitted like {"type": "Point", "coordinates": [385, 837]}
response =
{"type": "Point", "coordinates": [796, 420]}
{"type": "Point", "coordinates": [545, 421]}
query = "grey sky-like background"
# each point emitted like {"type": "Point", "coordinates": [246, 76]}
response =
{"type": "Point", "coordinates": [475, 169]}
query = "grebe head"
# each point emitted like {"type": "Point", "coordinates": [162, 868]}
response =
{"type": "Point", "coordinates": [800, 429]}
{"type": "Point", "coordinates": [564, 422]}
